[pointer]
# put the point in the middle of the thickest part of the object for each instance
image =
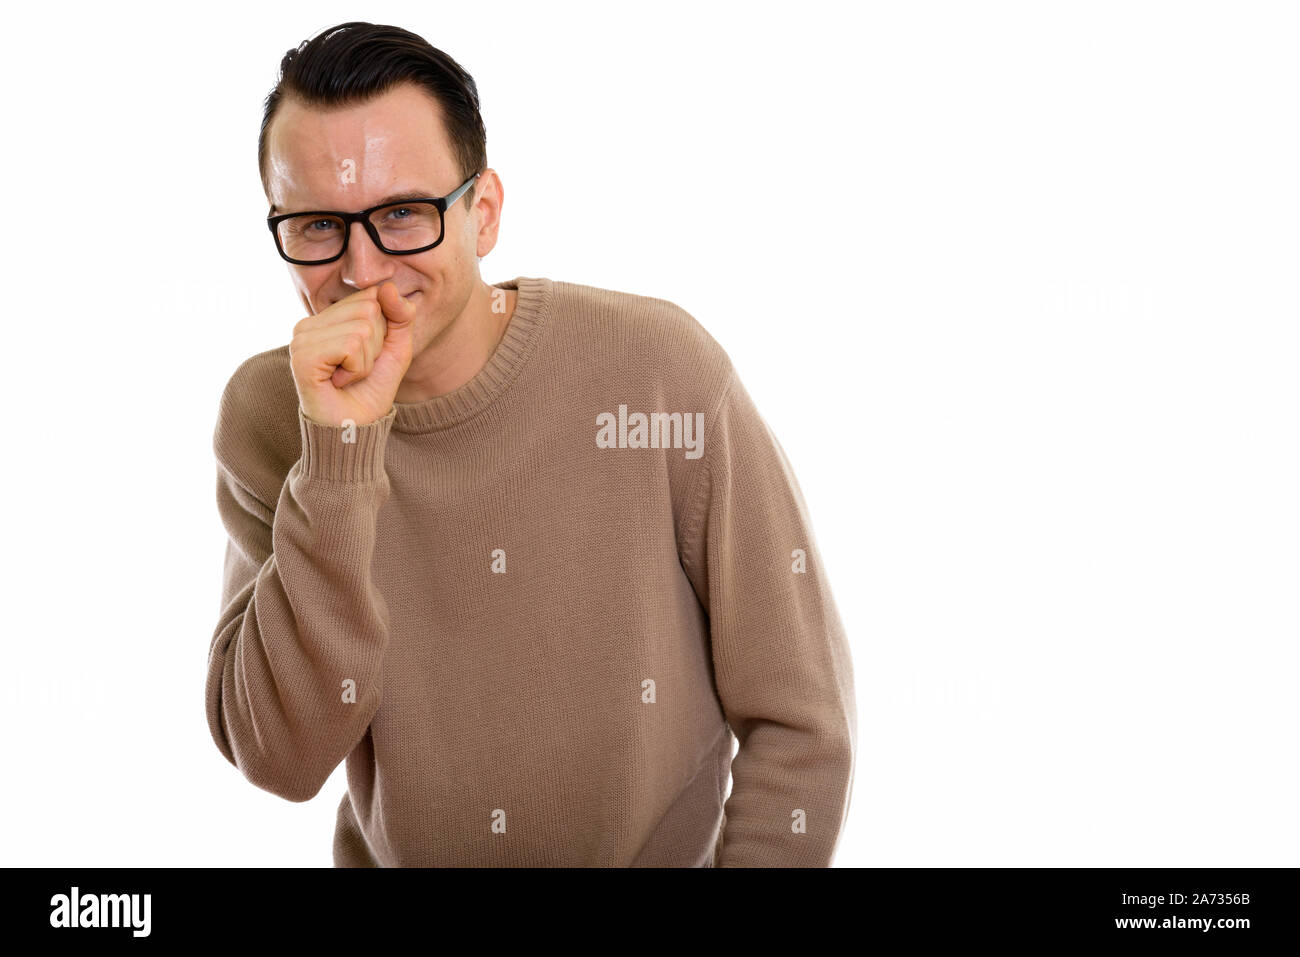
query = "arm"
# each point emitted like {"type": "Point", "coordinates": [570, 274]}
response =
{"type": "Point", "coordinates": [781, 661]}
{"type": "Point", "coordinates": [300, 614]}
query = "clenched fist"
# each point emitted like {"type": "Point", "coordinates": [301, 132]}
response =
{"type": "Point", "coordinates": [349, 359]}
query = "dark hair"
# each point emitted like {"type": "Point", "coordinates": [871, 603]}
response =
{"type": "Point", "coordinates": [353, 62]}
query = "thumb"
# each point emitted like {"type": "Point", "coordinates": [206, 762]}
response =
{"type": "Point", "coordinates": [398, 311]}
{"type": "Point", "coordinates": [399, 335]}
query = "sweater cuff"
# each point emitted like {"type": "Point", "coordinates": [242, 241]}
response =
{"type": "Point", "coordinates": [344, 453]}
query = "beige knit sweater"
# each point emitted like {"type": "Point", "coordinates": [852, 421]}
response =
{"type": "Point", "coordinates": [531, 613]}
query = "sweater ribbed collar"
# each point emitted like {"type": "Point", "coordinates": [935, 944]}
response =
{"type": "Point", "coordinates": [532, 308]}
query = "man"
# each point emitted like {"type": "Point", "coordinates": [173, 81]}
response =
{"type": "Point", "coordinates": [525, 555]}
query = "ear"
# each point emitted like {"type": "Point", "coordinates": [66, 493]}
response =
{"type": "Point", "coordinates": [489, 198]}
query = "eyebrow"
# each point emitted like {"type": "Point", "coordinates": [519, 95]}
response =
{"type": "Point", "coordinates": [405, 196]}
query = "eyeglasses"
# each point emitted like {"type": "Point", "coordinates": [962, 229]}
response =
{"type": "Point", "coordinates": [400, 229]}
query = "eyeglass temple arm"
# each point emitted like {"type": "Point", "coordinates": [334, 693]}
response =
{"type": "Point", "coordinates": [464, 186]}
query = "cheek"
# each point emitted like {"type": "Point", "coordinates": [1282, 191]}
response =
{"type": "Point", "coordinates": [311, 289]}
{"type": "Point", "coordinates": [304, 296]}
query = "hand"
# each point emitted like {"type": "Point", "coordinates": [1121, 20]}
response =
{"type": "Point", "coordinates": [349, 359]}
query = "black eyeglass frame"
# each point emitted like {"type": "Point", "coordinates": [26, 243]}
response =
{"type": "Point", "coordinates": [363, 217]}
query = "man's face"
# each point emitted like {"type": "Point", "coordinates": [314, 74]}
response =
{"type": "Point", "coordinates": [357, 157]}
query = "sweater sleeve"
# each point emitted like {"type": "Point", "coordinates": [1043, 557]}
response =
{"type": "Point", "coordinates": [781, 661]}
{"type": "Point", "coordinates": [295, 665]}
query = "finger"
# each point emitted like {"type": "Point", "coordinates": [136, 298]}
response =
{"type": "Point", "coordinates": [353, 346]}
{"type": "Point", "coordinates": [333, 344]}
{"type": "Point", "coordinates": [378, 329]}
{"type": "Point", "coordinates": [370, 330]}
{"type": "Point", "coordinates": [339, 311]}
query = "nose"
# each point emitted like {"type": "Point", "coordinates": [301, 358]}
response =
{"type": "Point", "coordinates": [365, 264]}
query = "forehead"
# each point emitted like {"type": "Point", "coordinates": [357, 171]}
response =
{"type": "Point", "coordinates": [350, 156]}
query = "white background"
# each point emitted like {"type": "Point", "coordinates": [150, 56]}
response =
{"type": "Point", "coordinates": [1014, 283]}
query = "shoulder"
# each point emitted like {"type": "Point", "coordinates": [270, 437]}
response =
{"type": "Point", "coordinates": [257, 435]}
{"type": "Point", "coordinates": [643, 337]}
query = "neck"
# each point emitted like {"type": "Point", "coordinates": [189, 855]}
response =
{"type": "Point", "coordinates": [460, 349]}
